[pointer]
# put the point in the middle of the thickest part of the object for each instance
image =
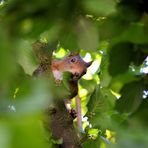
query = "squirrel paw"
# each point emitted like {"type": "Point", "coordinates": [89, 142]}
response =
{"type": "Point", "coordinates": [73, 113]}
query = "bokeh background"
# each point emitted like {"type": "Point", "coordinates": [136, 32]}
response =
{"type": "Point", "coordinates": [114, 92]}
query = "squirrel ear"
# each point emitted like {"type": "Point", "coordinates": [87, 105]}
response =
{"type": "Point", "coordinates": [88, 64]}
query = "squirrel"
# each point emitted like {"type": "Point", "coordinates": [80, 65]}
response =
{"type": "Point", "coordinates": [74, 64]}
{"type": "Point", "coordinates": [59, 122]}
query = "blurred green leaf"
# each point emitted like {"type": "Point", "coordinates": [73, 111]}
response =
{"type": "Point", "coordinates": [69, 40]}
{"type": "Point", "coordinates": [112, 27]}
{"type": "Point", "coordinates": [33, 17]}
{"type": "Point", "coordinates": [7, 57]}
{"type": "Point", "coordinates": [117, 82]}
{"type": "Point", "coordinates": [128, 10]}
{"type": "Point", "coordinates": [135, 33]}
{"type": "Point", "coordinates": [26, 58]}
{"type": "Point", "coordinates": [140, 117]}
{"type": "Point", "coordinates": [99, 7]}
{"type": "Point", "coordinates": [130, 140]}
{"type": "Point", "coordinates": [131, 97]}
{"type": "Point", "coordinates": [140, 54]}
{"type": "Point", "coordinates": [24, 131]}
{"type": "Point", "coordinates": [120, 58]}
{"type": "Point", "coordinates": [32, 28]}
{"type": "Point", "coordinates": [34, 97]}
{"type": "Point", "coordinates": [85, 31]}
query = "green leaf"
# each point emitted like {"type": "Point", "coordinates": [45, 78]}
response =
{"type": "Point", "coordinates": [131, 97]}
{"type": "Point", "coordinates": [112, 27]}
{"type": "Point", "coordinates": [131, 137]}
{"type": "Point", "coordinates": [24, 131]}
{"type": "Point", "coordinates": [105, 77]}
{"type": "Point", "coordinates": [32, 28]}
{"type": "Point", "coordinates": [25, 56]}
{"type": "Point", "coordinates": [91, 143]}
{"type": "Point", "coordinates": [85, 30]}
{"type": "Point", "coordinates": [140, 54]}
{"type": "Point", "coordinates": [141, 116]}
{"type": "Point", "coordinates": [97, 7]}
{"type": "Point", "coordinates": [129, 11]}
{"type": "Point", "coordinates": [135, 33]}
{"type": "Point", "coordinates": [120, 58]}
{"type": "Point", "coordinates": [100, 107]}
{"type": "Point", "coordinates": [89, 85]}
{"type": "Point", "coordinates": [69, 40]}
{"type": "Point", "coordinates": [117, 82]}
{"type": "Point", "coordinates": [8, 57]}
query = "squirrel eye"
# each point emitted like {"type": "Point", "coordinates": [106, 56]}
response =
{"type": "Point", "coordinates": [73, 60]}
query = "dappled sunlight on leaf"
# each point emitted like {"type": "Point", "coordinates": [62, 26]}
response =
{"type": "Point", "coordinates": [82, 92]}
{"type": "Point", "coordinates": [116, 94]}
{"type": "Point", "coordinates": [110, 135]}
{"type": "Point", "coordinates": [93, 133]}
{"type": "Point", "coordinates": [60, 53]}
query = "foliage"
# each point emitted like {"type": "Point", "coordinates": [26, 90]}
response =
{"type": "Point", "coordinates": [114, 93]}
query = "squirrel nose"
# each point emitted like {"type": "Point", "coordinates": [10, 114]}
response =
{"type": "Point", "coordinates": [77, 75]}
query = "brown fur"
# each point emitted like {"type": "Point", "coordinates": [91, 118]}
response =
{"type": "Point", "coordinates": [72, 63]}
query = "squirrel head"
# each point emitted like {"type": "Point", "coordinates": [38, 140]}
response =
{"type": "Point", "coordinates": [76, 65]}
{"type": "Point", "coordinates": [72, 63]}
